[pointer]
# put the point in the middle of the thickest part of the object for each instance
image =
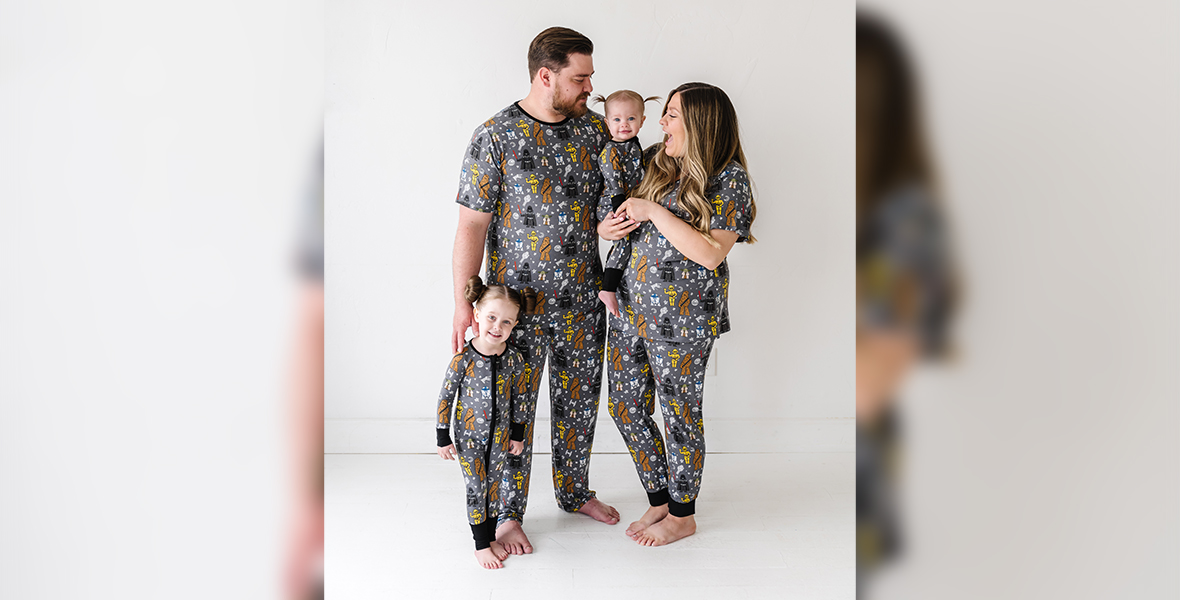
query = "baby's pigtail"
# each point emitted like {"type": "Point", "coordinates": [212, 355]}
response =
{"type": "Point", "coordinates": [599, 98]}
{"type": "Point", "coordinates": [650, 98]}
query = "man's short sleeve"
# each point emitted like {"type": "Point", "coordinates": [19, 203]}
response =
{"type": "Point", "coordinates": [480, 179]}
{"type": "Point", "coordinates": [732, 202]}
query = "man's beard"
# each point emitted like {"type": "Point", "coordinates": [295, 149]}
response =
{"type": "Point", "coordinates": [570, 107]}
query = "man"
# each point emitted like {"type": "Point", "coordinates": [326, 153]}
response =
{"type": "Point", "coordinates": [528, 193]}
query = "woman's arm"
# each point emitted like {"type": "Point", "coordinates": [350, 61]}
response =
{"type": "Point", "coordinates": [690, 242]}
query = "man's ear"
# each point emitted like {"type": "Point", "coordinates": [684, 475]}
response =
{"type": "Point", "coordinates": [546, 76]}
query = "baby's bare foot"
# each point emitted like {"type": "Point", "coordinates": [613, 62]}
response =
{"type": "Point", "coordinates": [512, 538]}
{"type": "Point", "coordinates": [654, 515]}
{"type": "Point", "coordinates": [667, 531]}
{"type": "Point", "coordinates": [487, 559]}
{"type": "Point", "coordinates": [600, 511]}
{"type": "Point", "coordinates": [499, 551]}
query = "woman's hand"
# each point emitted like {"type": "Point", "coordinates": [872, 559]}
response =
{"type": "Point", "coordinates": [616, 226]}
{"type": "Point", "coordinates": [447, 452]}
{"type": "Point", "coordinates": [639, 209]}
{"type": "Point", "coordinates": [516, 447]}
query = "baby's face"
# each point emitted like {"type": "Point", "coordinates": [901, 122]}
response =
{"type": "Point", "coordinates": [624, 118]}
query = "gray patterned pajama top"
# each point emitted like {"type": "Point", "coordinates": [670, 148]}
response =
{"type": "Point", "coordinates": [667, 297]}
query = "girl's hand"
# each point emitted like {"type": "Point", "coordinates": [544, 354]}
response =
{"type": "Point", "coordinates": [516, 447]}
{"type": "Point", "coordinates": [447, 452]}
{"type": "Point", "coordinates": [639, 209]}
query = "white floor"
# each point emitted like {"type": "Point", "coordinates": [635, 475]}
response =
{"type": "Point", "coordinates": [769, 526]}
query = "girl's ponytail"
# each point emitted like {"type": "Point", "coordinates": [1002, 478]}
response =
{"type": "Point", "coordinates": [474, 289]}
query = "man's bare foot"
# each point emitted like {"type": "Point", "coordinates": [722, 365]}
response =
{"type": "Point", "coordinates": [512, 538]}
{"type": "Point", "coordinates": [654, 515]}
{"type": "Point", "coordinates": [667, 531]}
{"type": "Point", "coordinates": [487, 559]}
{"type": "Point", "coordinates": [600, 511]}
{"type": "Point", "coordinates": [499, 550]}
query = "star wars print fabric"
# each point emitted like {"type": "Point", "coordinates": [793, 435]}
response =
{"type": "Point", "coordinates": [665, 296]}
{"type": "Point", "coordinates": [481, 388]}
{"type": "Point", "coordinates": [541, 181]}
{"type": "Point", "coordinates": [621, 164]}
{"type": "Point", "coordinates": [638, 372]}
{"type": "Point", "coordinates": [572, 341]}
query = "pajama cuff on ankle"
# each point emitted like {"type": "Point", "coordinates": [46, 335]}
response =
{"type": "Point", "coordinates": [484, 534]}
{"type": "Point", "coordinates": [444, 437]}
{"type": "Point", "coordinates": [677, 509]}
{"type": "Point", "coordinates": [517, 433]}
{"type": "Point", "coordinates": [658, 498]}
{"type": "Point", "coordinates": [611, 279]}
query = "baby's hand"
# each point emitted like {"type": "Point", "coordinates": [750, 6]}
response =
{"type": "Point", "coordinates": [611, 302]}
{"type": "Point", "coordinates": [516, 447]}
{"type": "Point", "coordinates": [447, 452]}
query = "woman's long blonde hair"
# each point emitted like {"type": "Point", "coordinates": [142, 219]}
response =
{"type": "Point", "coordinates": [711, 142]}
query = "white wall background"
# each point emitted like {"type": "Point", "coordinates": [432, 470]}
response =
{"type": "Point", "coordinates": [406, 86]}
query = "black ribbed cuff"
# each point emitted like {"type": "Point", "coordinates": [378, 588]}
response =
{"type": "Point", "coordinates": [517, 433]}
{"type": "Point", "coordinates": [677, 509]}
{"type": "Point", "coordinates": [484, 533]}
{"type": "Point", "coordinates": [611, 279]}
{"type": "Point", "coordinates": [658, 497]}
{"type": "Point", "coordinates": [616, 201]}
{"type": "Point", "coordinates": [444, 437]}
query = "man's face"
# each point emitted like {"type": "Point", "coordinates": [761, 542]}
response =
{"type": "Point", "coordinates": [572, 87]}
{"type": "Point", "coordinates": [624, 118]}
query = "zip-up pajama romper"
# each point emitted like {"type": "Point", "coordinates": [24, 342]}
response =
{"type": "Point", "coordinates": [488, 413]}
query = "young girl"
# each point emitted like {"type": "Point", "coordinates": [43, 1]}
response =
{"type": "Point", "coordinates": [622, 170]}
{"type": "Point", "coordinates": [694, 204]}
{"type": "Point", "coordinates": [490, 415]}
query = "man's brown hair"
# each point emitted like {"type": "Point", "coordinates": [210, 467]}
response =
{"type": "Point", "coordinates": [552, 49]}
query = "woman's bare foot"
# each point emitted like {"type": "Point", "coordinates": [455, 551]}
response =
{"type": "Point", "coordinates": [654, 515]}
{"type": "Point", "coordinates": [600, 511]}
{"type": "Point", "coordinates": [512, 538]}
{"type": "Point", "coordinates": [667, 531]}
{"type": "Point", "coordinates": [499, 550]}
{"type": "Point", "coordinates": [487, 559]}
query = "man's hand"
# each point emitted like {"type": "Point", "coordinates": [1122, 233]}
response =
{"type": "Point", "coordinates": [616, 226]}
{"type": "Point", "coordinates": [464, 318]}
{"type": "Point", "coordinates": [611, 302]}
{"type": "Point", "coordinates": [516, 447]}
{"type": "Point", "coordinates": [448, 452]}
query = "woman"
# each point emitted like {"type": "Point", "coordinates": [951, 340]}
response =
{"type": "Point", "coordinates": [905, 280]}
{"type": "Point", "coordinates": [693, 205]}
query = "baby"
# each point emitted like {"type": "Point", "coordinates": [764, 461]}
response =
{"type": "Point", "coordinates": [489, 417]}
{"type": "Point", "coordinates": [622, 170]}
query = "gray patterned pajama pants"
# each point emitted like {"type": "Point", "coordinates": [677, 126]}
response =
{"type": "Point", "coordinates": [640, 370]}
{"type": "Point", "coordinates": [572, 341]}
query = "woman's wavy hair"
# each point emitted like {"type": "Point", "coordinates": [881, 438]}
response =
{"type": "Point", "coordinates": [711, 143]}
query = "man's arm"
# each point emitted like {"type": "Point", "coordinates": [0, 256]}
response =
{"type": "Point", "coordinates": [470, 237]}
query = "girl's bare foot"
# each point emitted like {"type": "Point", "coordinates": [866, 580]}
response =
{"type": "Point", "coordinates": [499, 551]}
{"type": "Point", "coordinates": [487, 559]}
{"type": "Point", "coordinates": [512, 538]}
{"type": "Point", "coordinates": [654, 515]}
{"type": "Point", "coordinates": [668, 530]}
{"type": "Point", "coordinates": [599, 511]}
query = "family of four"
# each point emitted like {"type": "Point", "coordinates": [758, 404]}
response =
{"type": "Point", "coordinates": [542, 180]}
